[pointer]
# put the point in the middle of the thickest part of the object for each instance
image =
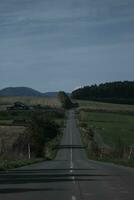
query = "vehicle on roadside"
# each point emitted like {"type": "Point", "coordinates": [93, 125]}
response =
{"type": "Point", "coordinates": [19, 106]}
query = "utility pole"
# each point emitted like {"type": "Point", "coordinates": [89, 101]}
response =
{"type": "Point", "coordinates": [29, 151]}
{"type": "Point", "coordinates": [131, 151]}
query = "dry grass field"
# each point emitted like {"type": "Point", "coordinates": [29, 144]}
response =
{"type": "Point", "coordinates": [6, 101]}
{"type": "Point", "coordinates": [8, 136]}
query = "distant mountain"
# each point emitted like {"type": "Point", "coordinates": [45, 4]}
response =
{"type": "Point", "coordinates": [20, 91]}
{"type": "Point", "coordinates": [25, 92]}
{"type": "Point", "coordinates": [50, 94]}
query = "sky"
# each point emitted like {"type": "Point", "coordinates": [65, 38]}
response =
{"type": "Point", "coordinates": [53, 45]}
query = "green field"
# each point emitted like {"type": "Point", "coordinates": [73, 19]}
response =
{"type": "Point", "coordinates": [112, 127]}
{"type": "Point", "coordinates": [113, 130]}
{"type": "Point", "coordinates": [106, 107]}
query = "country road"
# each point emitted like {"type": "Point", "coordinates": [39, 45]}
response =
{"type": "Point", "coordinates": [71, 176]}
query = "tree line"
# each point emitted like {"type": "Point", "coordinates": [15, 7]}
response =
{"type": "Point", "coordinates": [116, 92]}
{"type": "Point", "coordinates": [66, 101]}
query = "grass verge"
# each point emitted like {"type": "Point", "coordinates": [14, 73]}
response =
{"type": "Point", "coordinates": [11, 164]}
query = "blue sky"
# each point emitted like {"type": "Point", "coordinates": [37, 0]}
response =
{"type": "Point", "coordinates": [60, 45]}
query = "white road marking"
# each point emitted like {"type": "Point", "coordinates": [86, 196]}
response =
{"type": "Point", "coordinates": [71, 158]}
{"type": "Point", "coordinates": [71, 151]}
{"type": "Point", "coordinates": [73, 178]}
{"type": "Point", "coordinates": [87, 194]}
{"type": "Point", "coordinates": [73, 198]}
{"type": "Point", "coordinates": [124, 191]}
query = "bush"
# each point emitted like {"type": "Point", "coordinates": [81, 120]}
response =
{"type": "Point", "coordinates": [40, 131]}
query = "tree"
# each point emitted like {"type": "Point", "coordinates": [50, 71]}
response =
{"type": "Point", "coordinates": [118, 92]}
{"type": "Point", "coordinates": [65, 100]}
{"type": "Point", "coordinates": [40, 130]}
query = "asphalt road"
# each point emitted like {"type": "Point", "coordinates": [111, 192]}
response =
{"type": "Point", "coordinates": [71, 176]}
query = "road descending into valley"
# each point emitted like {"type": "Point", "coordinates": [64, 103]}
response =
{"type": "Point", "coordinates": [71, 176]}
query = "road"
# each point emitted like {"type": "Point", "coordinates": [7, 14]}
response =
{"type": "Point", "coordinates": [71, 176]}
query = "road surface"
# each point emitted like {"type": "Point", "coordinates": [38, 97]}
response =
{"type": "Point", "coordinates": [71, 176]}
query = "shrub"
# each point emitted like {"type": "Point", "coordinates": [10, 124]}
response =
{"type": "Point", "coordinates": [40, 130]}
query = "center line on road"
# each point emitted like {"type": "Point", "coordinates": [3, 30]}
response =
{"type": "Point", "coordinates": [71, 157]}
{"type": "Point", "coordinates": [73, 178]}
{"type": "Point", "coordinates": [71, 151]}
{"type": "Point", "coordinates": [73, 198]}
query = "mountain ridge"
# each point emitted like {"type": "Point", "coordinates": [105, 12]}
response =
{"type": "Point", "coordinates": [25, 91]}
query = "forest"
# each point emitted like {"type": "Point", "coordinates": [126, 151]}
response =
{"type": "Point", "coordinates": [114, 92]}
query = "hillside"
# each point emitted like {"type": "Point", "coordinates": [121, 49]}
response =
{"type": "Point", "coordinates": [116, 92]}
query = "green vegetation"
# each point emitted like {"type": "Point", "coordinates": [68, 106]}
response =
{"type": "Point", "coordinates": [11, 164]}
{"type": "Point", "coordinates": [114, 92]}
{"type": "Point", "coordinates": [106, 107]}
{"type": "Point", "coordinates": [107, 131]}
{"type": "Point", "coordinates": [15, 117]}
{"type": "Point", "coordinates": [110, 126]}
{"type": "Point", "coordinates": [22, 117]}
{"type": "Point", "coordinates": [41, 130]}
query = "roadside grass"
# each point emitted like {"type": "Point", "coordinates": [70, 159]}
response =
{"type": "Point", "coordinates": [113, 124]}
{"type": "Point", "coordinates": [12, 164]}
{"type": "Point", "coordinates": [6, 122]}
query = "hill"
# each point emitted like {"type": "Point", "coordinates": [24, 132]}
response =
{"type": "Point", "coordinates": [20, 91]}
{"type": "Point", "coordinates": [115, 92]}
{"type": "Point", "coordinates": [25, 92]}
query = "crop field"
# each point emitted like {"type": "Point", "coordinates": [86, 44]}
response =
{"type": "Point", "coordinates": [106, 107]}
{"type": "Point", "coordinates": [112, 121]}
{"type": "Point", "coordinates": [6, 101]}
{"type": "Point", "coordinates": [112, 127]}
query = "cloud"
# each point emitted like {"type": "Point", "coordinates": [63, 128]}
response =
{"type": "Point", "coordinates": [77, 41]}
